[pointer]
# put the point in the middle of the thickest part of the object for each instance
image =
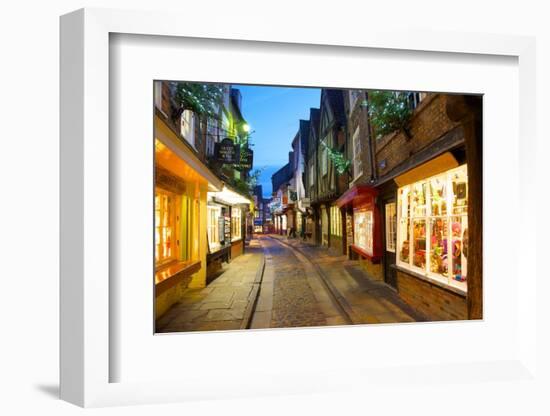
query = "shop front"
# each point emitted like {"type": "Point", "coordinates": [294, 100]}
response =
{"type": "Point", "coordinates": [364, 239]}
{"type": "Point", "coordinates": [180, 247]}
{"type": "Point", "coordinates": [432, 242]}
{"type": "Point", "coordinates": [225, 224]}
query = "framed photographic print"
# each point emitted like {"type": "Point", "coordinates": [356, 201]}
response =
{"type": "Point", "coordinates": [341, 206]}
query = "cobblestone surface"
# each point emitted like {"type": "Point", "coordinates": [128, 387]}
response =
{"type": "Point", "coordinates": [368, 301]}
{"type": "Point", "coordinates": [298, 298]}
{"type": "Point", "coordinates": [294, 303]}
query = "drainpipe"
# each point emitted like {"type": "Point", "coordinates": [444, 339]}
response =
{"type": "Point", "coordinates": [373, 176]}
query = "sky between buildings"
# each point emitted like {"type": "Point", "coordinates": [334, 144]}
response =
{"type": "Point", "coordinates": [273, 113]}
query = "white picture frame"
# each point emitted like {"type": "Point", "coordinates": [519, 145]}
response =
{"type": "Point", "coordinates": [86, 262]}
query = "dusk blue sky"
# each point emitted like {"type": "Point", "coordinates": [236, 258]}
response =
{"type": "Point", "coordinates": [273, 113]}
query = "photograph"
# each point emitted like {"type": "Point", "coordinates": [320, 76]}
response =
{"type": "Point", "coordinates": [287, 206]}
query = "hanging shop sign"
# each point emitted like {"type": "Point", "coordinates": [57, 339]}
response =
{"type": "Point", "coordinates": [226, 151]}
{"type": "Point", "coordinates": [247, 156]}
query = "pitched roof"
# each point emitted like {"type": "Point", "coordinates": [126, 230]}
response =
{"type": "Point", "coordinates": [336, 101]}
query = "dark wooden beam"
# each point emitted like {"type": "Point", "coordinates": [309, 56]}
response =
{"type": "Point", "coordinates": [468, 111]}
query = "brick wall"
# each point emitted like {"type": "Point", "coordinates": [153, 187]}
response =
{"type": "Point", "coordinates": [432, 301]}
{"type": "Point", "coordinates": [429, 122]}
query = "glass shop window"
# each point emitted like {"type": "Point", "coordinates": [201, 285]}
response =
{"type": "Point", "coordinates": [235, 224]}
{"type": "Point", "coordinates": [165, 227]}
{"type": "Point", "coordinates": [432, 227]}
{"type": "Point", "coordinates": [391, 226]}
{"type": "Point", "coordinates": [363, 225]}
{"type": "Point", "coordinates": [335, 221]}
{"type": "Point", "coordinates": [214, 214]}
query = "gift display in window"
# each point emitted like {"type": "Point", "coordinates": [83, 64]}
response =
{"type": "Point", "coordinates": [404, 194]}
{"type": "Point", "coordinates": [435, 239]}
{"type": "Point", "coordinates": [460, 192]}
{"type": "Point", "coordinates": [458, 230]}
{"type": "Point", "coordinates": [419, 247]}
{"type": "Point", "coordinates": [363, 230]}
{"type": "Point", "coordinates": [438, 196]}
{"type": "Point", "coordinates": [439, 246]}
{"type": "Point", "coordinates": [419, 199]}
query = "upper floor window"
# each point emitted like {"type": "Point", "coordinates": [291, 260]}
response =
{"type": "Point", "coordinates": [311, 174]}
{"type": "Point", "coordinates": [415, 98]}
{"type": "Point", "coordinates": [353, 96]}
{"type": "Point", "coordinates": [324, 158]}
{"type": "Point", "coordinates": [187, 126]}
{"type": "Point", "coordinates": [157, 91]}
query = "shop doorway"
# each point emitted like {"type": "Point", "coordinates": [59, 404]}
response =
{"type": "Point", "coordinates": [390, 236]}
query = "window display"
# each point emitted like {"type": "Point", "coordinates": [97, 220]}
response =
{"type": "Point", "coordinates": [165, 226]}
{"type": "Point", "coordinates": [235, 223]}
{"type": "Point", "coordinates": [214, 214]}
{"type": "Point", "coordinates": [335, 221]}
{"type": "Point", "coordinates": [391, 226]}
{"type": "Point", "coordinates": [363, 225]}
{"type": "Point", "coordinates": [431, 237]}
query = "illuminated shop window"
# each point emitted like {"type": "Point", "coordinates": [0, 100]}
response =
{"type": "Point", "coordinates": [235, 224]}
{"type": "Point", "coordinates": [432, 227]}
{"type": "Point", "coordinates": [214, 214]}
{"type": "Point", "coordinates": [391, 226]}
{"type": "Point", "coordinates": [363, 226]}
{"type": "Point", "coordinates": [165, 227]}
{"type": "Point", "coordinates": [335, 221]}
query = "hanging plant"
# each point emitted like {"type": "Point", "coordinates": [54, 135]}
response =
{"type": "Point", "coordinates": [389, 111]}
{"type": "Point", "coordinates": [340, 162]}
{"type": "Point", "coordinates": [202, 99]}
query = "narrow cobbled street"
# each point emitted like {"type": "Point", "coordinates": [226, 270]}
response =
{"type": "Point", "coordinates": [283, 283]}
{"type": "Point", "coordinates": [343, 207]}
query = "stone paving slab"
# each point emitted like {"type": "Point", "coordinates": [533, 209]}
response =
{"type": "Point", "coordinates": [222, 305]}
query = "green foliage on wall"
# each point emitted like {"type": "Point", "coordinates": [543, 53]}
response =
{"type": "Point", "coordinates": [389, 111]}
{"type": "Point", "coordinates": [202, 99]}
{"type": "Point", "coordinates": [338, 159]}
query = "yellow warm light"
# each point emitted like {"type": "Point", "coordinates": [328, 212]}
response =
{"type": "Point", "coordinates": [229, 197]}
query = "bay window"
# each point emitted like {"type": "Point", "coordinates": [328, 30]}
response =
{"type": "Point", "coordinates": [432, 227]}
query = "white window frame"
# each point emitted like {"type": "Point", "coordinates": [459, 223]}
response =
{"type": "Point", "coordinates": [236, 223]}
{"type": "Point", "coordinates": [427, 217]}
{"type": "Point", "coordinates": [369, 220]}
{"type": "Point", "coordinates": [324, 160]}
{"type": "Point", "coordinates": [391, 226]}
{"type": "Point", "coordinates": [158, 94]}
{"type": "Point", "coordinates": [187, 126]}
{"type": "Point", "coordinates": [214, 214]}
